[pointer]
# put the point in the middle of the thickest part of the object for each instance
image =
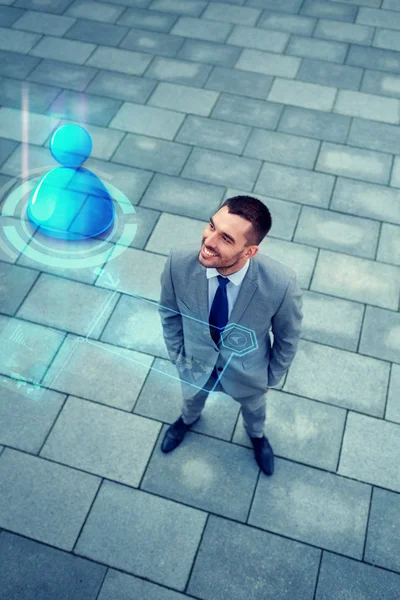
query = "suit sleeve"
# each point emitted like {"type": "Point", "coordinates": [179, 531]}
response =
{"type": "Point", "coordinates": [171, 319]}
{"type": "Point", "coordinates": [286, 327]}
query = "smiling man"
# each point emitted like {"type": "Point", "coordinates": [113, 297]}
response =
{"type": "Point", "coordinates": [219, 287]}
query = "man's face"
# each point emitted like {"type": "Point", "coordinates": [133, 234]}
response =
{"type": "Point", "coordinates": [224, 236]}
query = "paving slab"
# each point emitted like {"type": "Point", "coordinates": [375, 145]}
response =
{"type": "Point", "coordinates": [282, 148]}
{"type": "Point", "coordinates": [62, 49]}
{"type": "Point", "coordinates": [313, 506]}
{"type": "Point", "coordinates": [38, 129]}
{"type": "Point", "coordinates": [384, 84]}
{"type": "Point", "coordinates": [44, 500]}
{"type": "Point", "coordinates": [336, 231]}
{"type": "Point", "coordinates": [206, 473]}
{"type": "Point", "coordinates": [9, 14]}
{"type": "Point", "coordinates": [67, 576]}
{"type": "Point", "coordinates": [152, 154]}
{"type": "Point", "coordinates": [329, 10]}
{"type": "Point", "coordinates": [375, 462]}
{"type": "Point", "coordinates": [355, 163]}
{"type": "Point", "coordinates": [202, 29]}
{"type": "Point", "coordinates": [154, 20]}
{"type": "Point", "coordinates": [330, 74]}
{"type": "Point", "coordinates": [86, 30]}
{"type": "Point", "coordinates": [268, 63]}
{"type": "Point", "coordinates": [357, 279]}
{"type": "Point", "coordinates": [214, 134]}
{"type": "Point", "coordinates": [331, 321]}
{"type": "Point", "coordinates": [120, 585]}
{"type": "Point", "coordinates": [247, 111]}
{"type": "Point", "coordinates": [296, 185]}
{"type": "Point", "coordinates": [153, 42]}
{"type": "Point", "coordinates": [43, 22]}
{"type": "Point", "coordinates": [307, 95]}
{"type": "Point", "coordinates": [237, 81]}
{"type": "Point", "coordinates": [378, 18]}
{"type": "Point", "coordinates": [375, 136]}
{"type": "Point", "coordinates": [183, 98]}
{"type": "Point", "coordinates": [299, 257]}
{"type": "Point", "coordinates": [62, 74]}
{"type": "Point", "coordinates": [18, 41]}
{"type": "Point", "coordinates": [27, 349]}
{"type": "Point", "coordinates": [182, 196]}
{"type": "Point", "coordinates": [395, 179]}
{"type": "Point", "coordinates": [132, 530]}
{"type": "Point", "coordinates": [88, 370]}
{"type": "Point", "coordinates": [366, 200]}
{"type": "Point", "coordinates": [208, 52]}
{"type": "Point", "coordinates": [85, 9]}
{"type": "Point", "coordinates": [147, 120]}
{"type": "Point", "coordinates": [367, 106]}
{"type": "Point", "coordinates": [179, 71]}
{"type": "Point", "coordinates": [95, 110]}
{"type": "Point", "coordinates": [300, 429]}
{"type": "Point", "coordinates": [15, 284]}
{"type": "Point", "coordinates": [344, 32]}
{"type": "Point", "coordinates": [52, 6]}
{"type": "Point", "coordinates": [102, 440]}
{"type": "Point", "coordinates": [252, 37]}
{"type": "Point", "coordinates": [374, 58]}
{"type": "Point", "coordinates": [339, 377]}
{"type": "Point", "coordinates": [221, 168]}
{"type": "Point", "coordinates": [195, 8]}
{"type": "Point", "coordinates": [16, 65]}
{"type": "Point", "coordinates": [379, 334]}
{"type": "Point", "coordinates": [50, 303]}
{"type": "Point", "coordinates": [382, 548]}
{"type": "Point", "coordinates": [290, 23]}
{"type": "Point", "coordinates": [7, 147]}
{"type": "Point", "coordinates": [120, 86]}
{"type": "Point", "coordinates": [14, 92]}
{"type": "Point", "coordinates": [117, 59]}
{"type": "Point", "coordinates": [27, 415]}
{"type": "Point", "coordinates": [231, 578]}
{"type": "Point", "coordinates": [286, 6]}
{"type": "Point", "coordinates": [387, 38]}
{"type": "Point", "coordinates": [393, 404]}
{"type": "Point", "coordinates": [349, 578]}
{"type": "Point", "coordinates": [314, 48]}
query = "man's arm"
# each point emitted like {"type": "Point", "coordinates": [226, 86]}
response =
{"type": "Point", "coordinates": [171, 320]}
{"type": "Point", "coordinates": [286, 327]}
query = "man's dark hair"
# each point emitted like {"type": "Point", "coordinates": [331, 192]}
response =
{"type": "Point", "coordinates": [252, 210]}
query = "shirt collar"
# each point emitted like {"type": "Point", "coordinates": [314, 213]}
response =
{"type": "Point", "coordinates": [236, 278]}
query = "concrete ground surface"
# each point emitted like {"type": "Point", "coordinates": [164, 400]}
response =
{"type": "Point", "coordinates": [188, 102]}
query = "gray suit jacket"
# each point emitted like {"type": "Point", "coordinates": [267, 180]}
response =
{"type": "Point", "coordinates": [269, 298]}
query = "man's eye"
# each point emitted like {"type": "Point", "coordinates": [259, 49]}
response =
{"type": "Point", "coordinates": [225, 239]}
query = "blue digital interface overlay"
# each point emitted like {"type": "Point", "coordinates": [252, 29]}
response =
{"type": "Point", "coordinates": [236, 338]}
{"type": "Point", "coordinates": [70, 202]}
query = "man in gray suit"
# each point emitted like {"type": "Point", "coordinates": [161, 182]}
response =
{"type": "Point", "coordinates": [217, 310]}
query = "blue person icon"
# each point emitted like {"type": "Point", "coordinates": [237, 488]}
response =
{"type": "Point", "coordinates": [70, 202]}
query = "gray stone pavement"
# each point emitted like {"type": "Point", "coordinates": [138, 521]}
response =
{"type": "Point", "coordinates": [189, 102]}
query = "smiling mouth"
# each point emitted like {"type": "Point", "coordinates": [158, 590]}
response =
{"type": "Point", "coordinates": [207, 255]}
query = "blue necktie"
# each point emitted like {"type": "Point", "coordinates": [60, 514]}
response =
{"type": "Point", "coordinates": [219, 310]}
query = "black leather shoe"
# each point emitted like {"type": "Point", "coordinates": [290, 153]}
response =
{"type": "Point", "coordinates": [264, 454]}
{"type": "Point", "coordinates": [175, 434]}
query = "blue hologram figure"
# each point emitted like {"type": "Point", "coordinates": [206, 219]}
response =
{"type": "Point", "coordinates": [70, 202]}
